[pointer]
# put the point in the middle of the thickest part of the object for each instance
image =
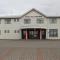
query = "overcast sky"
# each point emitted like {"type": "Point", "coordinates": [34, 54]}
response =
{"type": "Point", "coordinates": [18, 7]}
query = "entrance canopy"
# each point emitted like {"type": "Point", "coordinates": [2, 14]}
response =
{"type": "Point", "coordinates": [32, 26]}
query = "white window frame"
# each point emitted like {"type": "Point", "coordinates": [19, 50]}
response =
{"type": "Point", "coordinates": [40, 20]}
{"type": "Point", "coordinates": [53, 32]}
{"type": "Point", "coordinates": [16, 19]}
{"type": "Point", "coordinates": [27, 21]}
{"type": "Point", "coordinates": [7, 31]}
{"type": "Point", "coordinates": [7, 21]}
{"type": "Point", "coordinates": [53, 20]}
{"type": "Point", "coordinates": [0, 32]}
{"type": "Point", "coordinates": [0, 21]}
{"type": "Point", "coordinates": [16, 31]}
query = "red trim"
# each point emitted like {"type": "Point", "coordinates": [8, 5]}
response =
{"type": "Point", "coordinates": [26, 35]}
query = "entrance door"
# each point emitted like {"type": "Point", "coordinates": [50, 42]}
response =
{"type": "Point", "coordinates": [24, 34]}
{"type": "Point", "coordinates": [33, 34]}
{"type": "Point", "coordinates": [43, 34]}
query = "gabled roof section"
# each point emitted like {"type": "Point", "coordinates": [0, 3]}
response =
{"type": "Point", "coordinates": [35, 11]}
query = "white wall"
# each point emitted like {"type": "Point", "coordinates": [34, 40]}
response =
{"type": "Point", "coordinates": [53, 26]}
{"type": "Point", "coordinates": [20, 25]}
{"type": "Point", "coordinates": [13, 26]}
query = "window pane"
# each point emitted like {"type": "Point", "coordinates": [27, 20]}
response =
{"type": "Point", "coordinates": [40, 20]}
{"type": "Point", "coordinates": [7, 31]}
{"type": "Point", "coordinates": [14, 31]}
{"type": "Point", "coordinates": [0, 32]}
{"type": "Point", "coordinates": [27, 21]}
{"type": "Point", "coordinates": [18, 31]}
{"type": "Point", "coordinates": [16, 19]}
{"type": "Point", "coordinates": [53, 33]}
{"type": "Point", "coordinates": [0, 21]}
{"type": "Point", "coordinates": [7, 21]}
{"type": "Point", "coordinates": [53, 20]}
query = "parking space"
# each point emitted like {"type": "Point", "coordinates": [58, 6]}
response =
{"type": "Point", "coordinates": [29, 50]}
{"type": "Point", "coordinates": [30, 43]}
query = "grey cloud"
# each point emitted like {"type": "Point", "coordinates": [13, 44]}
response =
{"type": "Point", "coordinates": [17, 7]}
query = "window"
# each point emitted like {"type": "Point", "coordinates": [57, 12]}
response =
{"type": "Point", "coordinates": [0, 32]}
{"type": "Point", "coordinates": [53, 33]}
{"type": "Point", "coordinates": [27, 21]}
{"type": "Point", "coordinates": [7, 21]}
{"type": "Point", "coordinates": [53, 20]}
{"type": "Point", "coordinates": [16, 20]}
{"type": "Point", "coordinates": [7, 31]}
{"type": "Point", "coordinates": [16, 31]}
{"type": "Point", "coordinates": [0, 21]}
{"type": "Point", "coordinates": [40, 20]}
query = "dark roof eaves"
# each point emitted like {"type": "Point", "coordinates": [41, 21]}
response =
{"type": "Point", "coordinates": [53, 17]}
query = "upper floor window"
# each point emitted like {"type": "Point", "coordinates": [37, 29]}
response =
{"type": "Point", "coordinates": [7, 21]}
{"type": "Point", "coordinates": [53, 32]}
{"type": "Point", "coordinates": [40, 20]}
{"type": "Point", "coordinates": [16, 20]}
{"type": "Point", "coordinates": [27, 21]}
{"type": "Point", "coordinates": [53, 20]}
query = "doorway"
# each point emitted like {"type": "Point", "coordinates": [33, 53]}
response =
{"type": "Point", "coordinates": [33, 33]}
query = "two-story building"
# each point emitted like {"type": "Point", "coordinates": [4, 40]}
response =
{"type": "Point", "coordinates": [31, 25]}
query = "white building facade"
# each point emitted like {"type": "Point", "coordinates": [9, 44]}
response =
{"type": "Point", "coordinates": [31, 25]}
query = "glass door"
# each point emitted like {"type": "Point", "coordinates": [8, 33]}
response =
{"type": "Point", "coordinates": [34, 34]}
{"type": "Point", "coordinates": [31, 33]}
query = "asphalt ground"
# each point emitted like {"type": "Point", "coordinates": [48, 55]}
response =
{"type": "Point", "coordinates": [29, 50]}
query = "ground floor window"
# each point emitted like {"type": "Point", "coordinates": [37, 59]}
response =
{"type": "Point", "coordinates": [53, 32]}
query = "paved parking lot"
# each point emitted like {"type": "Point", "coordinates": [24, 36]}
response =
{"type": "Point", "coordinates": [30, 43]}
{"type": "Point", "coordinates": [29, 50]}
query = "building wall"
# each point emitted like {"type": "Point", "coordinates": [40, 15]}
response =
{"type": "Point", "coordinates": [53, 26]}
{"type": "Point", "coordinates": [20, 25]}
{"type": "Point", "coordinates": [11, 27]}
{"type": "Point", "coordinates": [47, 25]}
